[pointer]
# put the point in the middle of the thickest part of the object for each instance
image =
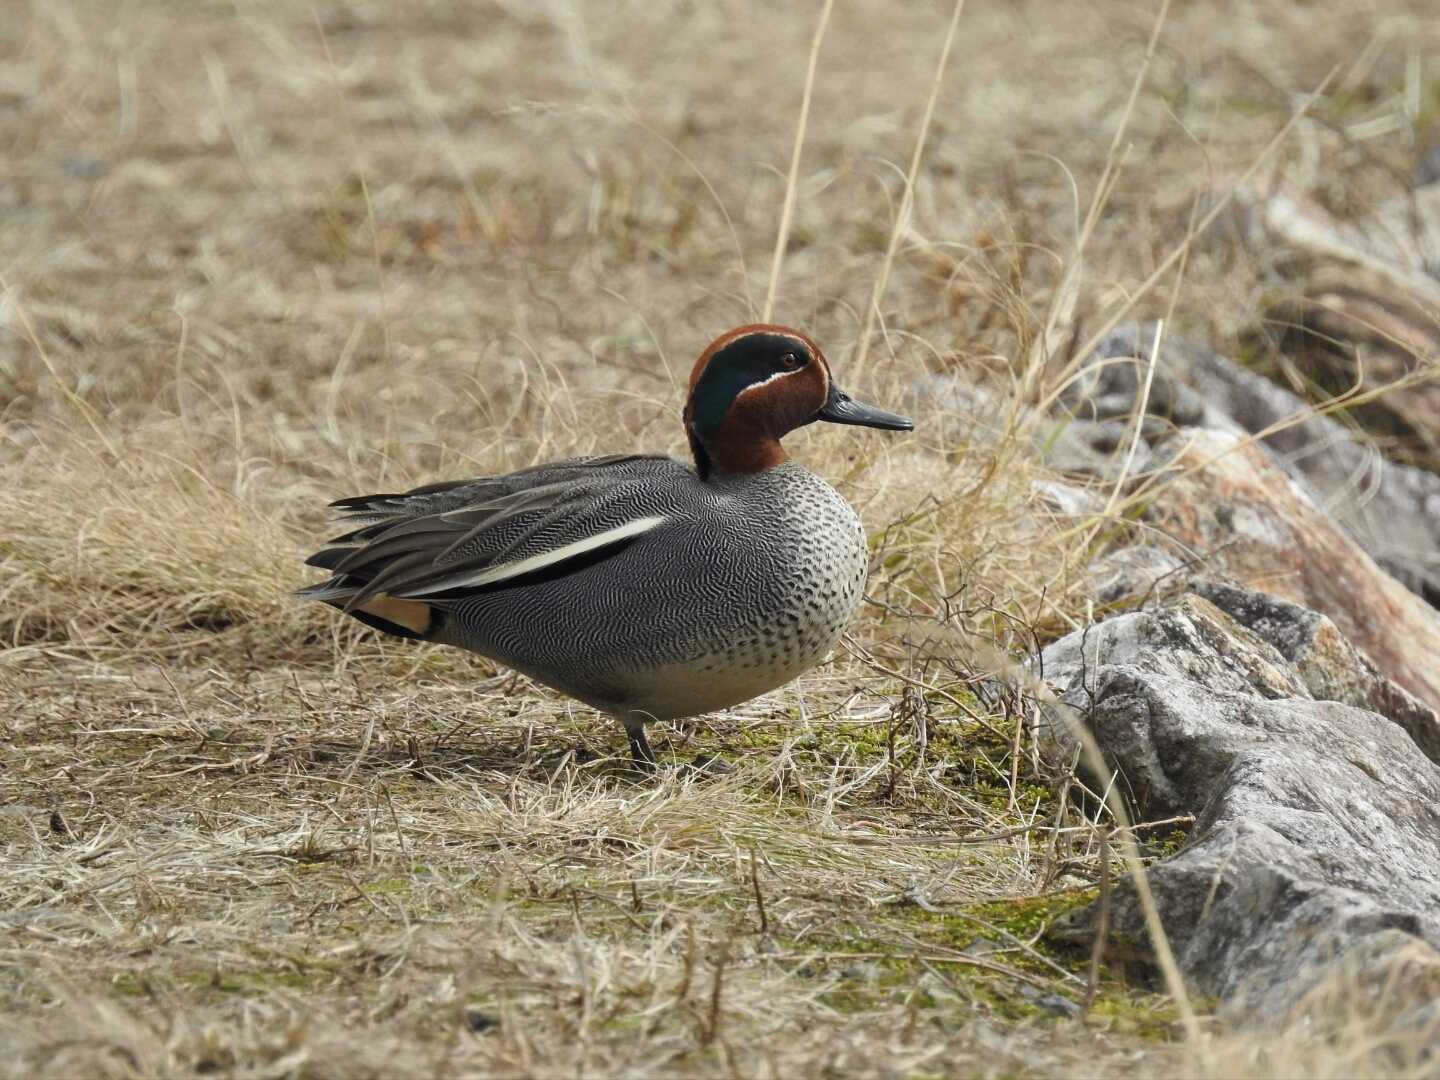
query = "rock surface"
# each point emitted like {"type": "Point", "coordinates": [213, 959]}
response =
{"type": "Point", "coordinates": [1193, 641]}
{"type": "Point", "coordinates": [1392, 510]}
{"type": "Point", "coordinates": [1226, 501]}
{"type": "Point", "coordinates": [1134, 574]}
{"type": "Point", "coordinates": [1331, 668]}
{"type": "Point", "coordinates": [1087, 445]}
{"type": "Point", "coordinates": [1316, 849]}
{"type": "Point", "coordinates": [1346, 334]}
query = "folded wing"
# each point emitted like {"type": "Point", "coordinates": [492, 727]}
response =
{"type": "Point", "coordinates": [438, 544]}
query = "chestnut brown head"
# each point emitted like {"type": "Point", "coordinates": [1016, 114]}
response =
{"type": "Point", "coordinates": [754, 385]}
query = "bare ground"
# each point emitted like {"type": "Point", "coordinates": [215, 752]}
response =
{"type": "Point", "coordinates": [254, 257]}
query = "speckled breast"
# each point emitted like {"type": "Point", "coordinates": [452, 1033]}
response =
{"type": "Point", "coordinates": [799, 582]}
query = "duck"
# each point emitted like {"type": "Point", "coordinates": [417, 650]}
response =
{"type": "Point", "coordinates": [646, 587]}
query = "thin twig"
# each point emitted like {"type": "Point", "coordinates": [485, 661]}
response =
{"type": "Point", "coordinates": [907, 201]}
{"type": "Point", "coordinates": [868, 659]}
{"type": "Point", "coordinates": [792, 180]}
{"type": "Point", "coordinates": [78, 403]}
{"type": "Point", "coordinates": [1102, 925]}
{"type": "Point", "coordinates": [687, 970]}
{"type": "Point", "coordinates": [712, 1026]}
{"type": "Point", "coordinates": [1027, 947]}
{"type": "Point", "coordinates": [349, 773]}
{"type": "Point", "coordinates": [1221, 205]}
{"type": "Point", "coordinates": [253, 761]}
{"type": "Point", "coordinates": [759, 896]}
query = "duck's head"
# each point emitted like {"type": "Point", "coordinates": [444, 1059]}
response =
{"type": "Point", "coordinates": [754, 385]}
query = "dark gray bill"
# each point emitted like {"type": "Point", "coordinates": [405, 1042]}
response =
{"type": "Point", "coordinates": [841, 408]}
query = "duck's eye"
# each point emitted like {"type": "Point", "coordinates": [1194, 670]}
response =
{"type": "Point", "coordinates": [790, 361]}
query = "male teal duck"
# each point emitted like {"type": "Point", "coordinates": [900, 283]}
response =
{"type": "Point", "coordinates": [644, 587]}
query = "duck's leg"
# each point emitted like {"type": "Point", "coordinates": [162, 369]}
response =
{"type": "Point", "coordinates": [640, 751]}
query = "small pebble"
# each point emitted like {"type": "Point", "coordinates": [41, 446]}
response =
{"type": "Point", "coordinates": [1058, 1005]}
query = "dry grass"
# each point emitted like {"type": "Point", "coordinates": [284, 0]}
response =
{"type": "Point", "coordinates": [255, 257]}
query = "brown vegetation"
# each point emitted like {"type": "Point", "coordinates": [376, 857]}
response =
{"type": "Point", "coordinates": [257, 257]}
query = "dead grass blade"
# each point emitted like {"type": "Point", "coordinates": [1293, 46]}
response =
{"type": "Point", "coordinates": [792, 178]}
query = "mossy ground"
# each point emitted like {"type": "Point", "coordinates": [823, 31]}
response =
{"type": "Point", "coordinates": [362, 865]}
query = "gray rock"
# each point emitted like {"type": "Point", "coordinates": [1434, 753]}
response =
{"type": "Point", "coordinates": [1331, 668]}
{"type": "Point", "coordinates": [1318, 829]}
{"type": "Point", "coordinates": [1392, 510]}
{"type": "Point", "coordinates": [1099, 448]}
{"type": "Point", "coordinates": [1134, 574]}
{"type": "Point", "coordinates": [962, 412]}
{"type": "Point", "coordinates": [1067, 499]}
{"type": "Point", "coordinates": [1226, 500]}
{"type": "Point", "coordinates": [1316, 850]}
{"type": "Point", "coordinates": [1193, 640]}
{"type": "Point", "coordinates": [1108, 390]}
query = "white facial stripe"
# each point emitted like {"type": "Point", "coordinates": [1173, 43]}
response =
{"type": "Point", "coordinates": [768, 380]}
{"type": "Point", "coordinates": [489, 575]}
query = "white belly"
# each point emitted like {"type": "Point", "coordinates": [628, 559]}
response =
{"type": "Point", "coordinates": [717, 682]}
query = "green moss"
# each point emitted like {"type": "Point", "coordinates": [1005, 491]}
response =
{"type": "Point", "coordinates": [1025, 917]}
{"type": "Point", "coordinates": [980, 764]}
{"type": "Point", "coordinates": [1253, 105]}
{"type": "Point", "coordinates": [867, 738]}
{"type": "Point", "coordinates": [133, 984]}
{"type": "Point", "coordinates": [1132, 1013]}
{"type": "Point", "coordinates": [389, 885]}
{"type": "Point", "coordinates": [250, 983]}
{"type": "Point", "coordinates": [1164, 844]}
{"type": "Point", "coordinates": [904, 942]}
{"type": "Point", "coordinates": [1252, 350]}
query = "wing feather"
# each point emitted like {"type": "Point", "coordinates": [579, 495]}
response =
{"type": "Point", "coordinates": [457, 537]}
{"type": "Point", "coordinates": [494, 574]}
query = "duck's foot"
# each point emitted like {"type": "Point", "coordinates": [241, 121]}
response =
{"type": "Point", "coordinates": [643, 758]}
{"type": "Point", "coordinates": [640, 752]}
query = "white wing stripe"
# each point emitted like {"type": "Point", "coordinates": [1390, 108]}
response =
{"type": "Point", "coordinates": [489, 575]}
